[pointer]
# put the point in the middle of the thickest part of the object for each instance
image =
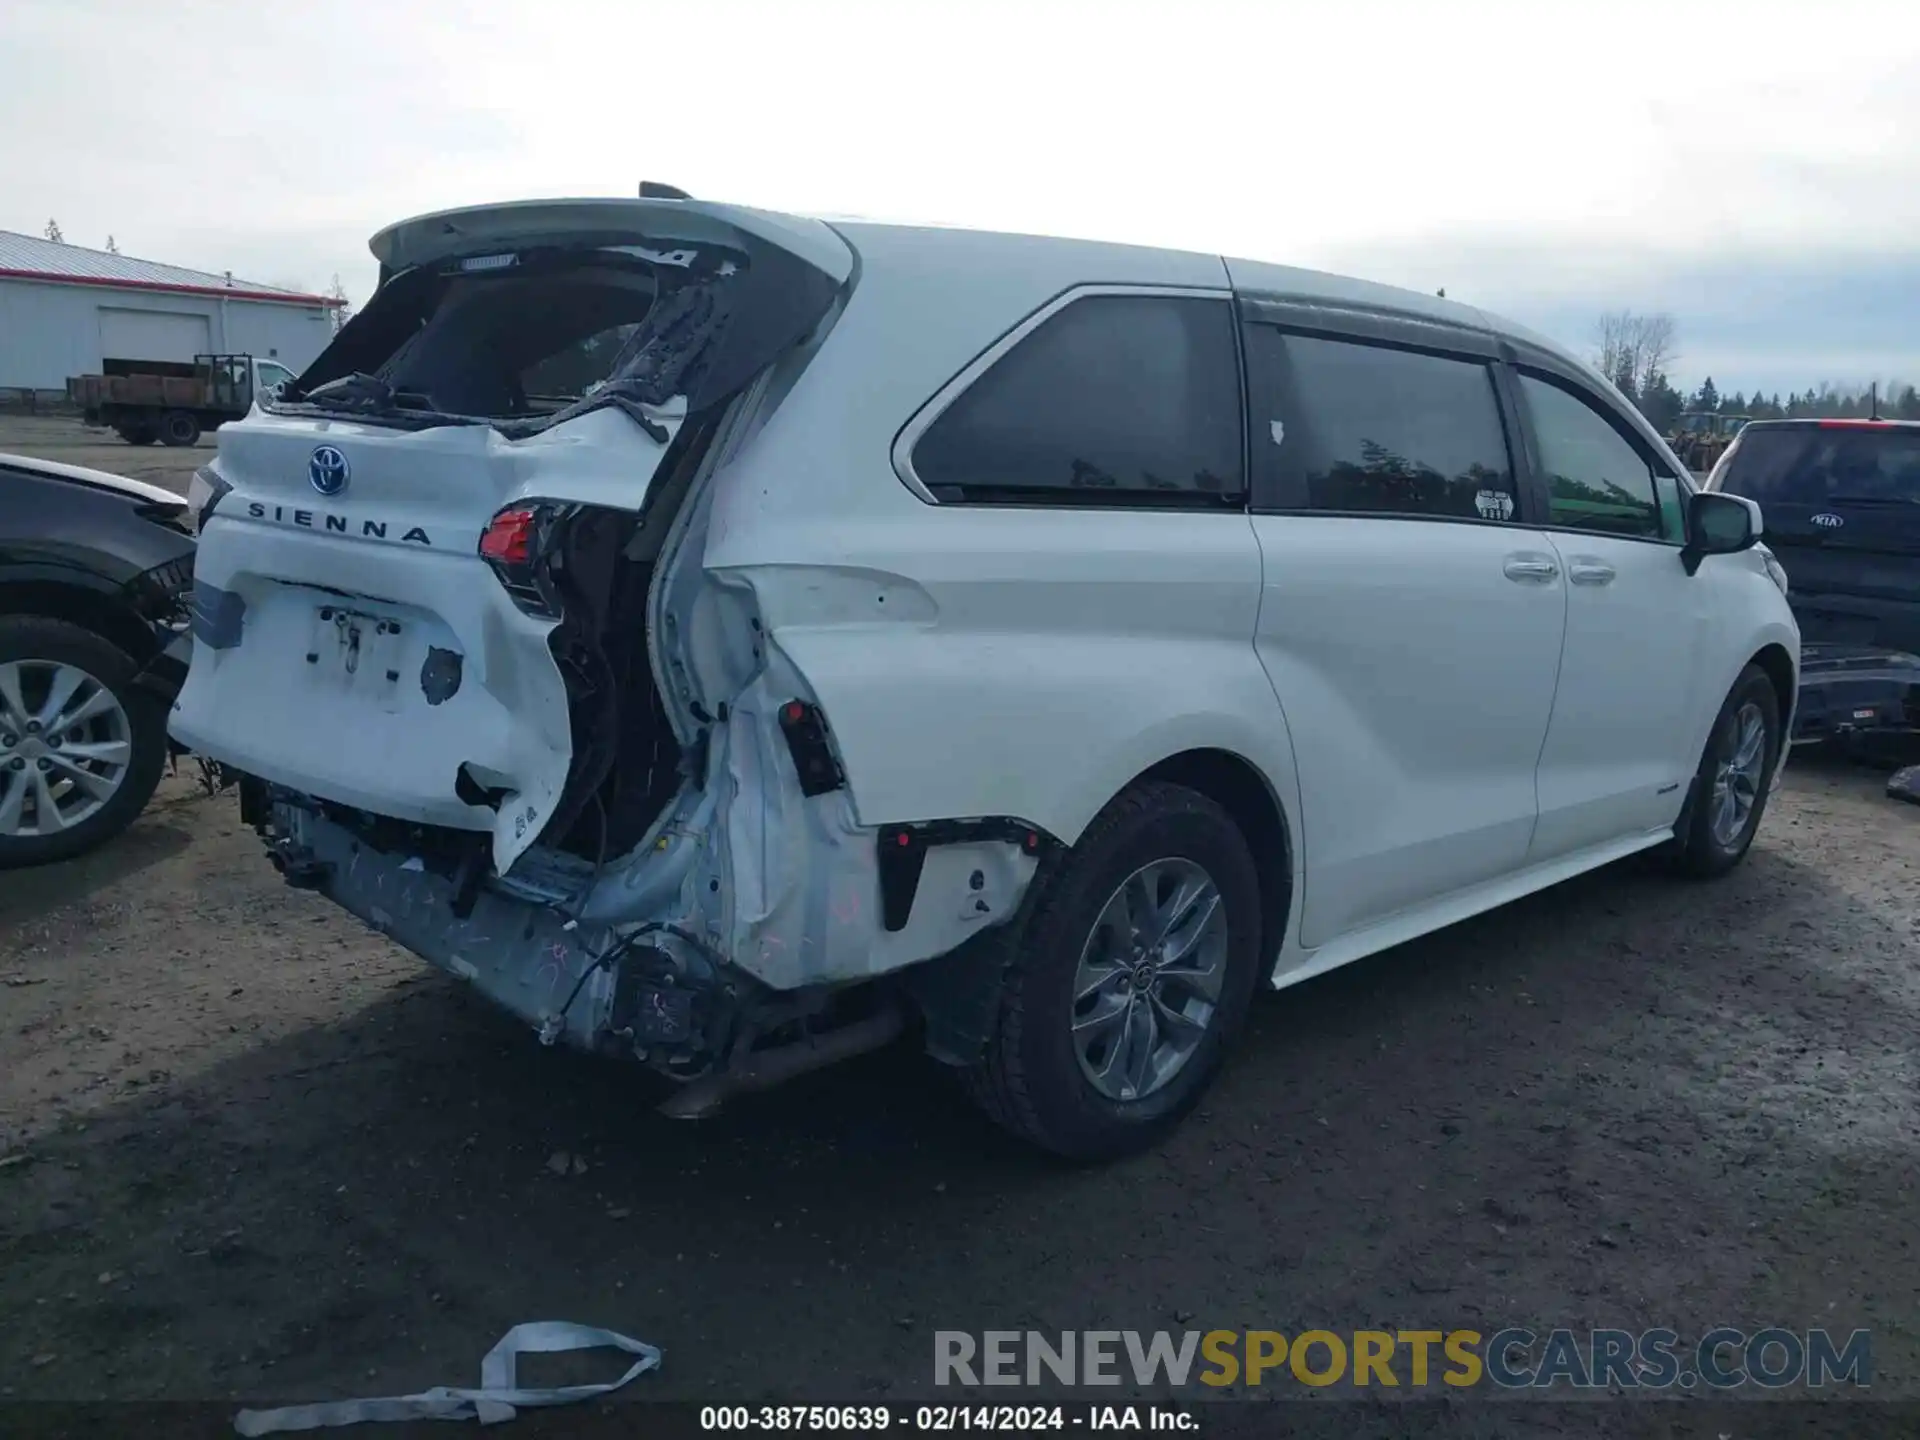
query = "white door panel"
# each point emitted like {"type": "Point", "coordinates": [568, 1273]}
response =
{"type": "Point", "coordinates": [1639, 629]}
{"type": "Point", "coordinates": [1620, 748]}
{"type": "Point", "coordinates": [1415, 661]}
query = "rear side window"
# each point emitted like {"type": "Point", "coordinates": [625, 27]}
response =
{"type": "Point", "coordinates": [1368, 429]}
{"type": "Point", "coordinates": [1596, 479]}
{"type": "Point", "coordinates": [1113, 400]}
{"type": "Point", "coordinates": [1834, 465]}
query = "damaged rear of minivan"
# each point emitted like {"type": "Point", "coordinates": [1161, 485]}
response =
{"type": "Point", "coordinates": [579, 620]}
{"type": "Point", "coordinates": [454, 638]}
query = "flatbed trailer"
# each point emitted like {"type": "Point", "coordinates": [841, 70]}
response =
{"type": "Point", "coordinates": [173, 403]}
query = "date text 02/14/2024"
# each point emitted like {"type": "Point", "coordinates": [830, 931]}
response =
{"type": "Point", "coordinates": [938, 1419]}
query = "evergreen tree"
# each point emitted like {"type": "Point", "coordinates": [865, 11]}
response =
{"type": "Point", "coordinates": [1661, 403]}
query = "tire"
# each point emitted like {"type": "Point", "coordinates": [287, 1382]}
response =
{"type": "Point", "coordinates": [1700, 847]}
{"type": "Point", "coordinates": [135, 436]}
{"type": "Point", "coordinates": [29, 645]}
{"type": "Point", "coordinates": [180, 428]}
{"type": "Point", "coordinates": [1033, 1079]}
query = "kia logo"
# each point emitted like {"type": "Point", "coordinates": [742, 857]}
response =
{"type": "Point", "coordinates": [1828, 521]}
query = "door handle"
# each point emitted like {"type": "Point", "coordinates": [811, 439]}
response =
{"type": "Point", "coordinates": [1524, 570]}
{"type": "Point", "coordinates": [1590, 572]}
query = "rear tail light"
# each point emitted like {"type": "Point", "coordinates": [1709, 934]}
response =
{"type": "Point", "coordinates": [164, 594]}
{"type": "Point", "coordinates": [511, 545]}
{"type": "Point", "coordinates": [806, 732]}
{"type": "Point", "coordinates": [509, 537]}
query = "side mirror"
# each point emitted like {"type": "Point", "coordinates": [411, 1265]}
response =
{"type": "Point", "coordinates": [1719, 524]}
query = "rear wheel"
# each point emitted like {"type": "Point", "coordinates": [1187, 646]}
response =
{"type": "Point", "coordinates": [135, 434]}
{"type": "Point", "coordinates": [81, 749]}
{"type": "Point", "coordinates": [1131, 976]}
{"type": "Point", "coordinates": [180, 427]}
{"type": "Point", "coordinates": [1730, 789]}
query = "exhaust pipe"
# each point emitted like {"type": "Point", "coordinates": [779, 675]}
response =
{"type": "Point", "coordinates": [769, 1068]}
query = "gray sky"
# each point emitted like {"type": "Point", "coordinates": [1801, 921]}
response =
{"type": "Point", "coordinates": [1754, 167]}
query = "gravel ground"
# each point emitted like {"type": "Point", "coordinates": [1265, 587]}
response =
{"type": "Point", "coordinates": [64, 438]}
{"type": "Point", "coordinates": [249, 1149]}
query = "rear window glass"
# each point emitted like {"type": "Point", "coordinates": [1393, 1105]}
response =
{"type": "Point", "coordinates": [521, 343]}
{"type": "Point", "coordinates": [1115, 400]}
{"type": "Point", "coordinates": [1372, 430]}
{"type": "Point", "coordinates": [577, 368]}
{"type": "Point", "coordinates": [1818, 467]}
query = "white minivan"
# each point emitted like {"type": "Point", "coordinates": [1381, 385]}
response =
{"type": "Point", "coordinates": [729, 640]}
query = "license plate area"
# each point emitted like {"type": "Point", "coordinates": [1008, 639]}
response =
{"type": "Point", "coordinates": [359, 652]}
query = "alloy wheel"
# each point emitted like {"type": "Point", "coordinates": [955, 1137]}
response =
{"type": "Point", "coordinates": [1737, 775]}
{"type": "Point", "coordinates": [66, 746]}
{"type": "Point", "coordinates": [1149, 979]}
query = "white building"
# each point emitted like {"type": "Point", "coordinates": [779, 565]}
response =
{"type": "Point", "coordinates": [64, 310]}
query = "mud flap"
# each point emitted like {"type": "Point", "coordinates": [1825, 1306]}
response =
{"type": "Point", "coordinates": [958, 996]}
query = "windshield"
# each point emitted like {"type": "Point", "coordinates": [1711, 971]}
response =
{"type": "Point", "coordinates": [1818, 467]}
{"type": "Point", "coordinates": [519, 340]}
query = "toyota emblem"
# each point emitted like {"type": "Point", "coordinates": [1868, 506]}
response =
{"type": "Point", "coordinates": [327, 471]}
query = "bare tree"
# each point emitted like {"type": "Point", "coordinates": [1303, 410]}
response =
{"type": "Point", "coordinates": [52, 232]}
{"type": "Point", "coordinates": [1633, 349]}
{"type": "Point", "coordinates": [342, 310]}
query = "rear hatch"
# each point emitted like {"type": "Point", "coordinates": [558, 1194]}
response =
{"type": "Point", "coordinates": [1841, 501]}
{"type": "Point", "coordinates": [382, 618]}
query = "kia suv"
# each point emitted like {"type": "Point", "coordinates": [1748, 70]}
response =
{"type": "Point", "coordinates": [1842, 500]}
{"type": "Point", "coordinates": [728, 640]}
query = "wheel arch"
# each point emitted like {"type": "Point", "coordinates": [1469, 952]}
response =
{"type": "Point", "coordinates": [1239, 787]}
{"type": "Point", "coordinates": [958, 994]}
{"type": "Point", "coordinates": [1774, 659]}
{"type": "Point", "coordinates": [99, 611]}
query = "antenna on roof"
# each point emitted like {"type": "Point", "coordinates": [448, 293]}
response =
{"type": "Point", "coordinates": [1873, 401]}
{"type": "Point", "coordinates": [654, 190]}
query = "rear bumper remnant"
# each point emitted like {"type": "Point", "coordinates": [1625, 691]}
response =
{"type": "Point", "coordinates": [1847, 692]}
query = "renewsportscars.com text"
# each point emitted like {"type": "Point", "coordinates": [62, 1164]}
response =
{"type": "Point", "coordinates": [1720, 1359]}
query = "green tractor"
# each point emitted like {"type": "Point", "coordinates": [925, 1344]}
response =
{"type": "Point", "coordinates": [1702, 437]}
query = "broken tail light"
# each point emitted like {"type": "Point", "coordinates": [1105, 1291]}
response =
{"type": "Point", "coordinates": [204, 491]}
{"type": "Point", "coordinates": [806, 731]}
{"type": "Point", "coordinates": [163, 596]}
{"type": "Point", "coordinates": [511, 546]}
